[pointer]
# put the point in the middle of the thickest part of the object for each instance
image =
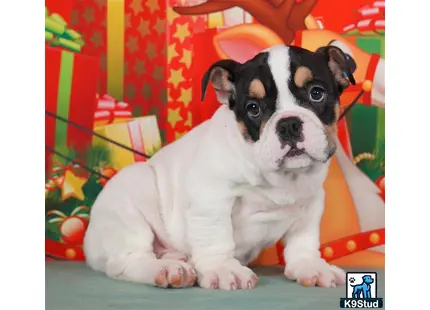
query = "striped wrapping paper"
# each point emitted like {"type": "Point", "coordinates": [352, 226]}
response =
{"type": "Point", "coordinates": [141, 134]}
{"type": "Point", "coordinates": [366, 124]}
{"type": "Point", "coordinates": [111, 111]}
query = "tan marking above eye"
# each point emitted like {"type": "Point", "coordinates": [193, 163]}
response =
{"type": "Point", "coordinates": [302, 75]}
{"type": "Point", "coordinates": [256, 89]}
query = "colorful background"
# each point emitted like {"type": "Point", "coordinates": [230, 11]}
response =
{"type": "Point", "coordinates": [123, 79]}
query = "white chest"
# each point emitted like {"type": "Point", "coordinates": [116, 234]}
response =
{"type": "Point", "coordinates": [263, 214]}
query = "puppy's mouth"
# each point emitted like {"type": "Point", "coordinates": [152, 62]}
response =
{"type": "Point", "coordinates": [294, 151]}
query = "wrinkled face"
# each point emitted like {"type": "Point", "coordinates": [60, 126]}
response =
{"type": "Point", "coordinates": [286, 102]}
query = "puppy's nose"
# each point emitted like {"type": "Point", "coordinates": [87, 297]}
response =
{"type": "Point", "coordinates": [290, 130]}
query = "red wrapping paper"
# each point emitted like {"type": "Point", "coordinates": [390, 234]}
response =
{"type": "Point", "coordinates": [203, 45]}
{"type": "Point", "coordinates": [61, 7]}
{"type": "Point", "coordinates": [140, 56]}
{"type": "Point", "coordinates": [77, 102]}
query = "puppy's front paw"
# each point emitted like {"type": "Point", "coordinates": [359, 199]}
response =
{"type": "Point", "coordinates": [229, 276]}
{"type": "Point", "coordinates": [315, 271]}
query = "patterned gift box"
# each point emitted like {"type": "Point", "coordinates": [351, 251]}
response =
{"type": "Point", "coordinates": [141, 134]}
{"type": "Point", "coordinates": [70, 92]}
{"type": "Point", "coordinates": [145, 56]}
{"type": "Point", "coordinates": [368, 140]}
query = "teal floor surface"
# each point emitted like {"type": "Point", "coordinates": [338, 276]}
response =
{"type": "Point", "coordinates": [74, 286]}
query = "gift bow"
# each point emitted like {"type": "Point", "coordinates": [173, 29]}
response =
{"type": "Point", "coordinates": [371, 21]}
{"type": "Point", "coordinates": [108, 109]}
{"type": "Point", "coordinates": [58, 33]}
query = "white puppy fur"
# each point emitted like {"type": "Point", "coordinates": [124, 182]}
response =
{"type": "Point", "coordinates": [204, 206]}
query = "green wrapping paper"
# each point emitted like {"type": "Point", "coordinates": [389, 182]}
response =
{"type": "Point", "coordinates": [58, 33]}
{"type": "Point", "coordinates": [366, 124]}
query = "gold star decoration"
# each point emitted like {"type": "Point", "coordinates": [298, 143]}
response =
{"type": "Point", "coordinates": [127, 20]}
{"type": "Point", "coordinates": [103, 63]}
{"type": "Point", "coordinates": [169, 97]}
{"type": "Point", "coordinates": [74, 18]}
{"type": "Point", "coordinates": [100, 3]}
{"type": "Point", "coordinates": [171, 52]}
{"type": "Point", "coordinates": [163, 51]}
{"type": "Point", "coordinates": [130, 91]}
{"type": "Point", "coordinates": [72, 186]}
{"type": "Point", "coordinates": [88, 14]}
{"type": "Point", "coordinates": [158, 73]}
{"type": "Point", "coordinates": [182, 32]}
{"type": "Point", "coordinates": [185, 96]}
{"type": "Point", "coordinates": [136, 6]}
{"type": "Point", "coordinates": [173, 117]}
{"type": "Point", "coordinates": [186, 57]}
{"type": "Point", "coordinates": [143, 28]}
{"type": "Point", "coordinates": [171, 15]}
{"type": "Point", "coordinates": [146, 91]}
{"type": "Point", "coordinates": [152, 5]}
{"type": "Point", "coordinates": [139, 67]}
{"type": "Point", "coordinates": [176, 77]}
{"type": "Point", "coordinates": [96, 39]}
{"type": "Point", "coordinates": [126, 69]}
{"type": "Point", "coordinates": [189, 121]}
{"type": "Point", "coordinates": [179, 134]}
{"type": "Point", "coordinates": [163, 97]}
{"type": "Point", "coordinates": [151, 50]}
{"type": "Point", "coordinates": [132, 44]}
{"type": "Point", "coordinates": [160, 26]}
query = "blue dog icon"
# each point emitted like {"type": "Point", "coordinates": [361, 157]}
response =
{"type": "Point", "coordinates": [363, 290]}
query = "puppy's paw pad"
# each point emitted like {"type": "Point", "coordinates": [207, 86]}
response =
{"type": "Point", "coordinates": [161, 278]}
{"type": "Point", "coordinates": [180, 274]}
{"type": "Point", "coordinates": [191, 277]}
{"type": "Point", "coordinates": [228, 277]}
{"type": "Point", "coordinates": [315, 272]}
{"type": "Point", "coordinates": [176, 276]}
{"type": "Point", "coordinates": [308, 281]}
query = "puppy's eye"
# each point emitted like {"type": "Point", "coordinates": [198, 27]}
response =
{"type": "Point", "coordinates": [316, 94]}
{"type": "Point", "coordinates": [253, 109]}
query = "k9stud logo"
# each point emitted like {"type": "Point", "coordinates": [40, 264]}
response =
{"type": "Point", "coordinates": [361, 291]}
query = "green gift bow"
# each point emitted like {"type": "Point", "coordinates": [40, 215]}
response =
{"type": "Point", "coordinates": [58, 33]}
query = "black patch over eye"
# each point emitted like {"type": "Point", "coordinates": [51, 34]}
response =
{"type": "Point", "coordinates": [316, 94]}
{"type": "Point", "coordinates": [253, 109]}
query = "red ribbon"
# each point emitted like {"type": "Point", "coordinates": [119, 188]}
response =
{"type": "Point", "coordinates": [135, 133]}
{"type": "Point", "coordinates": [370, 74]}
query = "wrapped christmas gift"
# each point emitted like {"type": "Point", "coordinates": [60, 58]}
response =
{"type": "Point", "coordinates": [111, 111]}
{"type": "Point", "coordinates": [141, 134]}
{"type": "Point", "coordinates": [70, 92]}
{"type": "Point", "coordinates": [57, 33]}
{"type": "Point", "coordinates": [368, 33]}
{"type": "Point", "coordinates": [144, 49]}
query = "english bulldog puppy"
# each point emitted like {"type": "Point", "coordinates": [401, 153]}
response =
{"type": "Point", "coordinates": [204, 206]}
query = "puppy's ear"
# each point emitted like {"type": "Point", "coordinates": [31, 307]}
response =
{"type": "Point", "coordinates": [222, 75]}
{"type": "Point", "coordinates": [341, 65]}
